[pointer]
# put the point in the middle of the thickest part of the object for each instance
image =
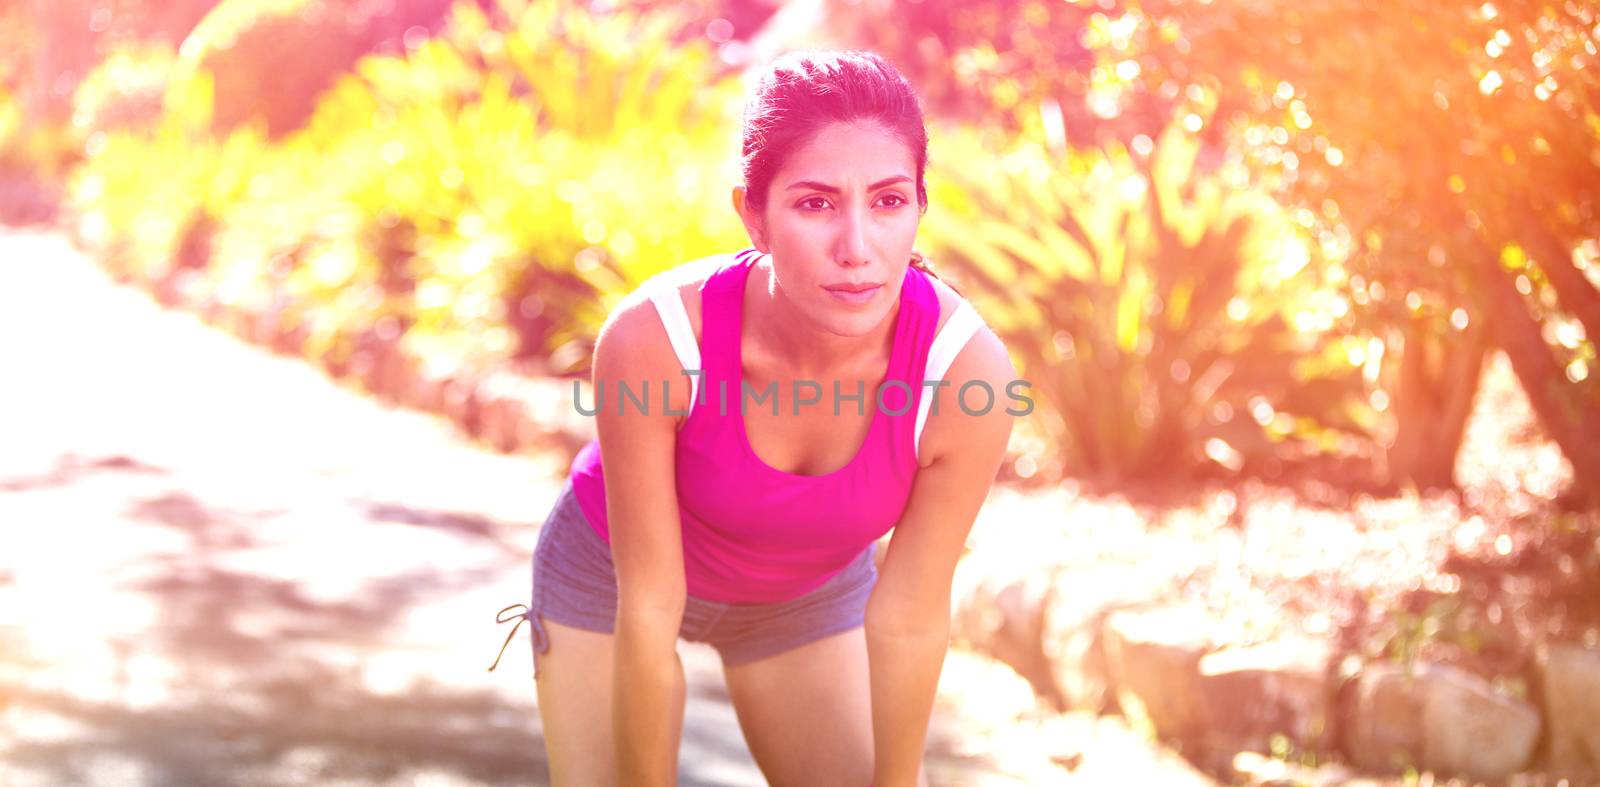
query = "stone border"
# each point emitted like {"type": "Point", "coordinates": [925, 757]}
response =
{"type": "Point", "coordinates": [1225, 706]}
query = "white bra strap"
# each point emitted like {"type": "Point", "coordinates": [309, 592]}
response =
{"type": "Point", "coordinates": [669, 304]}
{"type": "Point", "coordinates": [946, 346]}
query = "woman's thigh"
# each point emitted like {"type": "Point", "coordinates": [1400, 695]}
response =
{"type": "Point", "coordinates": [574, 689]}
{"type": "Point", "coordinates": [806, 713]}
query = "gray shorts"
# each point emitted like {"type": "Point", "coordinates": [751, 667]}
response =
{"type": "Point", "coordinates": [575, 584]}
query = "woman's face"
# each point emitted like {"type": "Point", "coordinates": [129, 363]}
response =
{"type": "Point", "coordinates": [841, 215]}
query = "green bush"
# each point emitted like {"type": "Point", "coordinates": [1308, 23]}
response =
{"type": "Point", "coordinates": [149, 200]}
{"type": "Point", "coordinates": [42, 152]}
{"type": "Point", "coordinates": [10, 128]}
{"type": "Point", "coordinates": [126, 90]}
{"type": "Point", "coordinates": [489, 219]}
{"type": "Point", "coordinates": [459, 196]}
{"type": "Point", "coordinates": [1171, 324]}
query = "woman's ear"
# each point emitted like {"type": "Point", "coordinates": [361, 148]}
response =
{"type": "Point", "coordinates": [753, 225]}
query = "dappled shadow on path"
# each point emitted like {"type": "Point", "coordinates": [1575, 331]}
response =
{"type": "Point", "coordinates": [288, 723]}
{"type": "Point", "coordinates": [69, 468]}
{"type": "Point", "coordinates": [246, 669]}
{"type": "Point", "coordinates": [455, 523]}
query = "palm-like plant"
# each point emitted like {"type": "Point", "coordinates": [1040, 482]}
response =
{"type": "Point", "coordinates": [1167, 322]}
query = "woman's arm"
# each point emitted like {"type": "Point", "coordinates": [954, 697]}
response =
{"type": "Point", "coordinates": [637, 458]}
{"type": "Point", "coordinates": [908, 616]}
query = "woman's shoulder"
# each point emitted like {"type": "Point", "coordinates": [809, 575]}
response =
{"type": "Point", "coordinates": [637, 316]}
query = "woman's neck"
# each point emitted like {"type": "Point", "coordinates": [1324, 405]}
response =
{"type": "Point", "coordinates": [803, 351]}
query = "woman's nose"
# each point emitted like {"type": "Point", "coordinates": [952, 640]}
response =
{"type": "Point", "coordinates": [853, 240]}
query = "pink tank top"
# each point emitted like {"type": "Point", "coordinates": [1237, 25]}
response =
{"type": "Point", "coordinates": [753, 534]}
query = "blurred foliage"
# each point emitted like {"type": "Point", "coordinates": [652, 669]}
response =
{"type": "Point", "coordinates": [1210, 238]}
{"type": "Point", "coordinates": [272, 59]}
{"type": "Point", "coordinates": [1010, 62]}
{"type": "Point", "coordinates": [458, 196]}
{"type": "Point", "coordinates": [1454, 158]}
{"type": "Point", "coordinates": [1466, 133]}
{"type": "Point", "coordinates": [127, 90]}
{"type": "Point", "coordinates": [119, 22]}
{"type": "Point", "coordinates": [16, 33]}
{"type": "Point", "coordinates": [34, 158]}
{"type": "Point", "coordinates": [10, 128]}
{"type": "Point", "coordinates": [149, 199]}
{"type": "Point", "coordinates": [1170, 324]}
{"type": "Point", "coordinates": [29, 151]}
{"type": "Point", "coordinates": [47, 47]}
{"type": "Point", "coordinates": [461, 198]}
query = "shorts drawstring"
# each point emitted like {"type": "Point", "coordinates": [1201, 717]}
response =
{"type": "Point", "coordinates": [501, 618]}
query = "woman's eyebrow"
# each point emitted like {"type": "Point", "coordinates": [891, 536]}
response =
{"type": "Point", "coordinates": [823, 187]}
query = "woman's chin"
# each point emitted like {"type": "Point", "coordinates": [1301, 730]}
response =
{"type": "Point", "coordinates": [850, 323]}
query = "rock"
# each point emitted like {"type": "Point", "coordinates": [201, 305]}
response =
{"type": "Point", "coordinates": [1440, 718]}
{"type": "Point", "coordinates": [1001, 618]}
{"type": "Point", "coordinates": [1254, 692]}
{"type": "Point", "coordinates": [1075, 650]}
{"type": "Point", "coordinates": [1071, 632]}
{"type": "Point", "coordinates": [1153, 657]}
{"type": "Point", "coordinates": [1569, 678]}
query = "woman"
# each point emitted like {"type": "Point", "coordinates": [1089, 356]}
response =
{"type": "Point", "coordinates": [740, 504]}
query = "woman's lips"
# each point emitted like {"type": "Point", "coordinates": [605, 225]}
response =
{"type": "Point", "coordinates": [855, 298]}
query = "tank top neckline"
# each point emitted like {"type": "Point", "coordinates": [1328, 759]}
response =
{"type": "Point", "coordinates": [736, 310]}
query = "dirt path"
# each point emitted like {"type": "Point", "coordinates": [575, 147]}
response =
{"type": "Point", "coordinates": [219, 567]}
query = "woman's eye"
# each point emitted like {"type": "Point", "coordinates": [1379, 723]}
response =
{"type": "Point", "coordinates": [819, 203]}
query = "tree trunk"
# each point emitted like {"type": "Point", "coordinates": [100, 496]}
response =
{"type": "Point", "coordinates": [1438, 380]}
{"type": "Point", "coordinates": [1574, 427]}
{"type": "Point", "coordinates": [1576, 294]}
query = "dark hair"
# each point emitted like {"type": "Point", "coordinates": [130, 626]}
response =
{"type": "Point", "coordinates": [801, 92]}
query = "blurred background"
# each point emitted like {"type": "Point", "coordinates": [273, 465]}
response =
{"type": "Point", "coordinates": [1307, 293]}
